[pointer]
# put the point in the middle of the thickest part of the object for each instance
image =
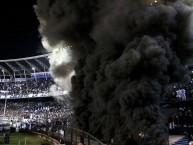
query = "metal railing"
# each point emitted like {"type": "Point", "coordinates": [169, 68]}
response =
{"type": "Point", "coordinates": [69, 135]}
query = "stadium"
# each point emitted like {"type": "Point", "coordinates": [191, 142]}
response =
{"type": "Point", "coordinates": [125, 65]}
{"type": "Point", "coordinates": [28, 105]}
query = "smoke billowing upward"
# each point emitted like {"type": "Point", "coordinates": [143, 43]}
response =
{"type": "Point", "coordinates": [125, 52]}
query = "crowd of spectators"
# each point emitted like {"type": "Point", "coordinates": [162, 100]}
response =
{"type": "Point", "coordinates": [179, 95]}
{"type": "Point", "coordinates": [40, 109]}
{"type": "Point", "coordinates": [182, 118]}
{"type": "Point", "coordinates": [29, 88]}
{"type": "Point", "coordinates": [36, 113]}
{"type": "Point", "coordinates": [179, 91]}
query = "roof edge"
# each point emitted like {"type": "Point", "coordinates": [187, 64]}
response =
{"type": "Point", "coordinates": [26, 58]}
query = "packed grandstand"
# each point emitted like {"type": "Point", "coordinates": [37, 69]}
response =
{"type": "Point", "coordinates": [26, 101]}
{"type": "Point", "coordinates": [29, 102]}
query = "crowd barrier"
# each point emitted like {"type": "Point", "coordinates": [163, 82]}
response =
{"type": "Point", "coordinates": [69, 136]}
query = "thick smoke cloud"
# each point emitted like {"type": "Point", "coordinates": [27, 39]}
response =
{"type": "Point", "coordinates": [61, 68]}
{"type": "Point", "coordinates": [125, 51]}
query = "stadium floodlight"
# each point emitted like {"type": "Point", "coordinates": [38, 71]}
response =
{"type": "Point", "coordinates": [33, 68]}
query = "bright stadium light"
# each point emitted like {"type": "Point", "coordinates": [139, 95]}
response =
{"type": "Point", "coordinates": [34, 72]}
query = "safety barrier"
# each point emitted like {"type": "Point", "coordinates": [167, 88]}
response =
{"type": "Point", "coordinates": [68, 135]}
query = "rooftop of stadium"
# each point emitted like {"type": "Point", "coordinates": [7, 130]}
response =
{"type": "Point", "coordinates": [24, 67]}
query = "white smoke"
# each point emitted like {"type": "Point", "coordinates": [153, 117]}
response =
{"type": "Point", "coordinates": [61, 65]}
{"type": "Point", "coordinates": [61, 96]}
{"type": "Point", "coordinates": [64, 83]}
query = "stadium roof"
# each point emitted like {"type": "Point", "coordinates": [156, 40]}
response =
{"type": "Point", "coordinates": [24, 66]}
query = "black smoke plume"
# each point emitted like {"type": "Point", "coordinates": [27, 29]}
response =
{"type": "Point", "coordinates": [126, 52]}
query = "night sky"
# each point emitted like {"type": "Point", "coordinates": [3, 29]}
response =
{"type": "Point", "coordinates": [19, 36]}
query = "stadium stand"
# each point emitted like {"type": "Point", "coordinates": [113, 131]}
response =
{"type": "Point", "coordinates": [26, 77]}
{"type": "Point", "coordinates": [26, 102]}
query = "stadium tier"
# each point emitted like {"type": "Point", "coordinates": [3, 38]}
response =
{"type": "Point", "coordinates": [23, 68]}
{"type": "Point", "coordinates": [26, 100]}
{"type": "Point", "coordinates": [26, 77]}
